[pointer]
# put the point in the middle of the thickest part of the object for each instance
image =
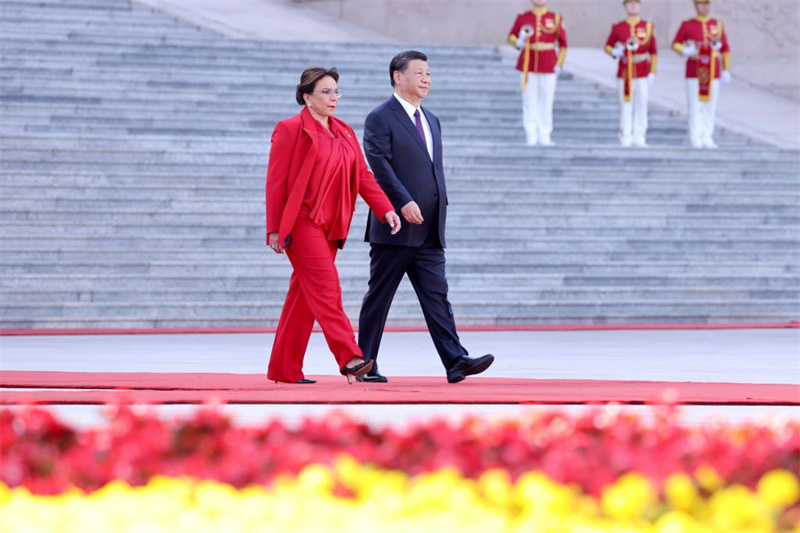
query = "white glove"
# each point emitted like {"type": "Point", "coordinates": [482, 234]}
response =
{"type": "Point", "coordinates": [725, 77]}
{"type": "Point", "coordinates": [520, 41]}
{"type": "Point", "coordinates": [618, 51]}
{"type": "Point", "coordinates": [650, 79]}
{"type": "Point", "coordinates": [557, 70]}
{"type": "Point", "coordinates": [689, 51]}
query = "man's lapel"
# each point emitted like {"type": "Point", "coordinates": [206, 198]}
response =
{"type": "Point", "coordinates": [405, 120]}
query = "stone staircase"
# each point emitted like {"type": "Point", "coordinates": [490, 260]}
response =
{"type": "Point", "coordinates": [134, 149]}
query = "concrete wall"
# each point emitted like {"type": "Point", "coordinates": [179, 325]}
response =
{"type": "Point", "coordinates": [764, 35]}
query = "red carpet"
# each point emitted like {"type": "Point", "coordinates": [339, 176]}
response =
{"type": "Point", "coordinates": [186, 388]}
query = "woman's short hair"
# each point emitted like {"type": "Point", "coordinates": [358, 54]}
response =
{"type": "Point", "coordinates": [309, 79]}
{"type": "Point", "coordinates": [400, 62]}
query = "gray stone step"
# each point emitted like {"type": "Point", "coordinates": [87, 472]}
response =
{"type": "Point", "coordinates": [266, 114]}
{"type": "Point", "coordinates": [456, 218]}
{"type": "Point", "coordinates": [76, 5]}
{"type": "Point", "coordinates": [567, 178]}
{"type": "Point", "coordinates": [359, 80]}
{"type": "Point", "coordinates": [196, 44]}
{"type": "Point", "coordinates": [238, 115]}
{"type": "Point", "coordinates": [456, 255]}
{"type": "Point", "coordinates": [211, 198]}
{"type": "Point", "coordinates": [714, 317]}
{"type": "Point", "coordinates": [524, 163]}
{"type": "Point", "coordinates": [565, 138]}
{"type": "Point", "coordinates": [258, 144]}
{"type": "Point", "coordinates": [509, 159]}
{"type": "Point", "coordinates": [148, 192]}
{"type": "Point", "coordinates": [487, 294]}
{"type": "Point", "coordinates": [204, 314]}
{"type": "Point", "coordinates": [256, 232]}
{"type": "Point", "coordinates": [727, 237]}
{"type": "Point", "coordinates": [195, 41]}
{"type": "Point", "coordinates": [462, 281]}
{"type": "Point", "coordinates": [399, 321]}
{"type": "Point", "coordinates": [26, 236]}
{"type": "Point", "coordinates": [501, 209]}
{"type": "Point", "coordinates": [470, 264]}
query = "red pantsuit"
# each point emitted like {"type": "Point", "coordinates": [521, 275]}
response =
{"type": "Point", "coordinates": [313, 179]}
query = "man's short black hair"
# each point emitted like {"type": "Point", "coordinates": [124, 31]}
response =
{"type": "Point", "coordinates": [400, 62]}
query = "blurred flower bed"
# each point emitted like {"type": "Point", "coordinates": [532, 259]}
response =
{"type": "Point", "coordinates": [604, 469]}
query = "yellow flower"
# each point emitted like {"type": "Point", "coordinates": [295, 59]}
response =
{"type": "Point", "coordinates": [678, 522]}
{"type": "Point", "coordinates": [316, 478]}
{"type": "Point", "coordinates": [540, 495]}
{"type": "Point", "coordinates": [708, 478]}
{"type": "Point", "coordinates": [629, 498]}
{"type": "Point", "coordinates": [216, 499]}
{"type": "Point", "coordinates": [779, 488]}
{"type": "Point", "coordinates": [681, 492]}
{"type": "Point", "coordinates": [393, 502]}
{"type": "Point", "coordinates": [348, 470]}
{"type": "Point", "coordinates": [496, 487]}
{"type": "Point", "coordinates": [736, 509]}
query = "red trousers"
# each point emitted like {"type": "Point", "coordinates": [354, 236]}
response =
{"type": "Point", "coordinates": [314, 293]}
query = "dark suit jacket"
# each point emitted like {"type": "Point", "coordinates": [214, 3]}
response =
{"type": "Point", "coordinates": [404, 170]}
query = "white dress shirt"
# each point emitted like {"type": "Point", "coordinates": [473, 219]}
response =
{"type": "Point", "coordinates": [410, 109]}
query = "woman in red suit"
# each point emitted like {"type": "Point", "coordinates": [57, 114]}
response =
{"type": "Point", "coordinates": [316, 170]}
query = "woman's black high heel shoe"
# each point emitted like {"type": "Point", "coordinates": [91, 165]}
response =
{"type": "Point", "coordinates": [304, 381]}
{"type": "Point", "coordinates": [357, 370]}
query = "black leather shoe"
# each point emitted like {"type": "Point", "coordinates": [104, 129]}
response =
{"type": "Point", "coordinates": [306, 381]}
{"type": "Point", "coordinates": [373, 378]}
{"type": "Point", "coordinates": [467, 366]}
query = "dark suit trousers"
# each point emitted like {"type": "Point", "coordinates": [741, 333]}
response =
{"type": "Point", "coordinates": [425, 266]}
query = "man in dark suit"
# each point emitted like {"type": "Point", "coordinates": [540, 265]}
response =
{"type": "Point", "coordinates": [403, 144]}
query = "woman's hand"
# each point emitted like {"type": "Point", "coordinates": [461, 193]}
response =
{"type": "Point", "coordinates": [275, 244]}
{"type": "Point", "coordinates": [394, 221]}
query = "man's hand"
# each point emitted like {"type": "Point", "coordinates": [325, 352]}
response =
{"type": "Point", "coordinates": [689, 51]}
{"type": "Point", "coordinates": [725, 77]}
{"type": "Point", "coordinates": [412, 213]}
{"type": "Point", "coordinates": [556, 70]}
{"type": "Point", "coordinates": [521, 41]}
{"type": "Point", "coordinates": [394, 221]}
{"type": "Point", "coordinates": [617, 51]}
{"type": "Point", "coordinates": [650, 79]}
{"type": "Point", "coordinates": [275, 244]}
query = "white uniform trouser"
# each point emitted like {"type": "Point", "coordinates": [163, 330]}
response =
{"type": "Point", "coordinates": [633, 114]}
{"type": "Point", "coordinates": [701, 114]}
{"type": "Point", "coordinates": [537, 107]}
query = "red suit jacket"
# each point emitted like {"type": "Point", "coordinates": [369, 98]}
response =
{"type": "Point", "coordinates": [539, 53]}
{"type": "Point", "coordinates": [291, 160]}
{"type": "Point", "coordinates": [644, 57]}
{"type": "Point", "coordinates": [703, 31]}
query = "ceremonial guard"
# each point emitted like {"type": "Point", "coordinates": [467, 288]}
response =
{"type": "Point", "coordinates": [541, 38]}
{"type": "Point", "coordinates": [702, 40]}
{"type": "Point", "coordinates": [633, 42]}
